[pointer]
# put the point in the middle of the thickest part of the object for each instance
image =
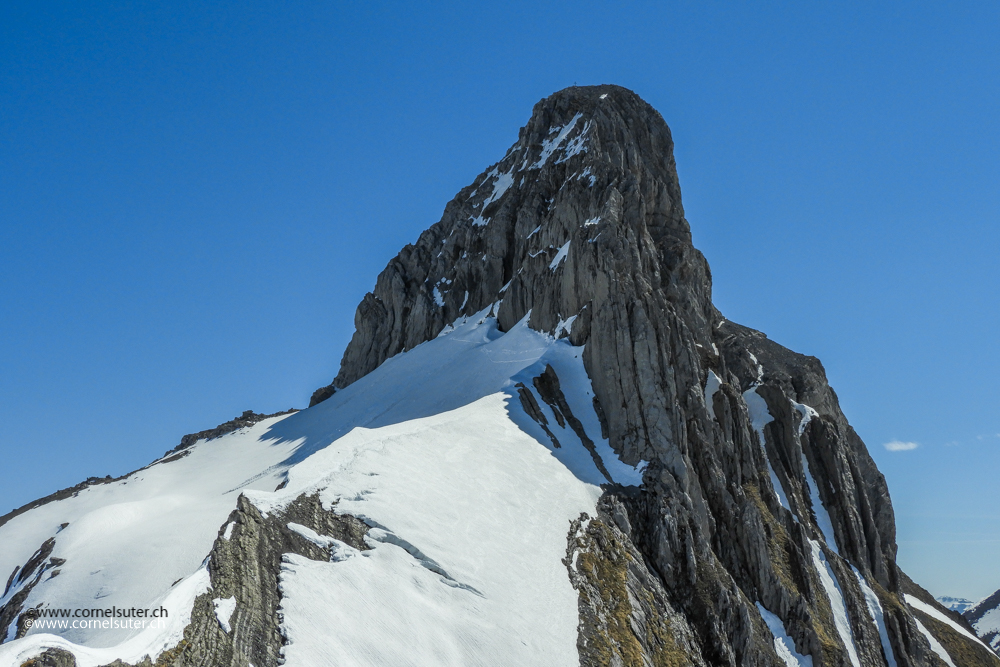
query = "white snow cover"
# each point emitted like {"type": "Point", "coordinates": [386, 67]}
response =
{"type": "Point", "coordinates": [711, 386]}
{"type": "Point", "coordinates": [936, 614]}
{"type": "Point", "coordinates": [468, 500]}
{"type": "Point", "coordinates": [149, 641]}
{"type": "Point", "coordinates": [127, 542]}
{"type": "Point", "coordinates": [829, 580]}
{"type": "Point", "coordinates": [784, 646]}
{"type": "Point", "coordinates": [564, 325]}
{"type": "Point", "coordinates": [549, 146]}
{"type": "Point", "coordinates": [224, 609]}
{"type": "Point", "coordinates": [560, 256]}
{"type": "Point", "coordinates": [807, 414]}
{"type": "Point", "coordinates": [760, 417]}
{"type": "Point", "coordinates": [438, 298]}
{"type": "Point", "coordinates": [503, 183]}
{"type": "Point", "coordinates": [875, 609]}
{"type": "Point", "coordinates": [823, 521]}
{"type": "Point", "coordinates": [935, 644]}
{"type": "Point", "coordinates": [990, 622]}
{"type": "Point", "coordinates": [469, 564]}
{"type": "Point", "coordinates": [576, 145]}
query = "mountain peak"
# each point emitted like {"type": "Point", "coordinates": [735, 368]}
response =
{"type": "Point", "coordinates": [572, 458]}
{"type": "Point", "coordinates": [590, 180]}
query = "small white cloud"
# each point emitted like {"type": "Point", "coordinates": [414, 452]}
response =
{"type": "Point", "coordinates": [900, 446]}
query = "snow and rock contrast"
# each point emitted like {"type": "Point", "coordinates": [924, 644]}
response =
{"type": "Point", "coordinates": [545, 446]}
{"type": "Point", "coordinates": [984, 616]}
{"type": "Point", "coordinates": [959, 605]}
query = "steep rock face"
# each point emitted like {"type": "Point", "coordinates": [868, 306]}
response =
{"type": "Point", "coordinates": [759, 500]}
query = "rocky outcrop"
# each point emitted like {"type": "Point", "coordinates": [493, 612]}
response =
{"type": "Point", "coordinates": [22, 580]}
{"type": "Point", "coordinates": [762, 529]}
{"type": "Point", "coordinates": [758, 493]}
{"type": "Point", "coordinates": [245, 565]}
{"type": "Point", "coordinates": [245, 420]}
{"type": "Point", "coordinates": [626, 619]}
{"type": "Point", "coordinates": [53, 657]}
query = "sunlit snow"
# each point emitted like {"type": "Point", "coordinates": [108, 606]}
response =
{"type": "Point", "coordinates": [833, 592]}
{"type": "Point", "coordinates": [783, 644]}
{"type": "Point", "coordinates": [937, 615]}
{"type": "Point", "coordinates": [875, 609]}
{"type": "Point", "coordinates": [469, 502]}
{"type": "Point", "coordinates": [935, 644]}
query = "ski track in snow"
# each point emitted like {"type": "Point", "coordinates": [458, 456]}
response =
{"type": "Point", "coordinates": [482, 576]}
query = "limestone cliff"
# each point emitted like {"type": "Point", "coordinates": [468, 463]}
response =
{"type": "Point", "coordinates": [758, 493]}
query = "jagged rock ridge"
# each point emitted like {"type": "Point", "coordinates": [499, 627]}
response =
{"type": "Point", "coordinates": [761, 534]}
{"type": "Point", "coordinates": [758, 492]}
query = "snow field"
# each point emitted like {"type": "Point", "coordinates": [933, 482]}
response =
{"type": "Point", "coordinates": [469, 503]}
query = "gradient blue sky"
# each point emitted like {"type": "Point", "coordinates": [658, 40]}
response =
{"type": "Point", "coordinates": [195, 196]}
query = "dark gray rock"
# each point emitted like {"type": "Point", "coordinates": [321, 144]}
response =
{"type": "Point", "coordinates": [625, 615]}
{"type": "Point", "coordinates": [322, 394]}
{"type": "Point", "coordinates": [22, 580]}
{"type": "Point", "coordinates": [583, 219]}
{"type": "Point", "coordinates": [580, 229]}
{"type": "Point", "coordinates": [53, 657]}
{"type": "Point", "coordinates": [247, 566]}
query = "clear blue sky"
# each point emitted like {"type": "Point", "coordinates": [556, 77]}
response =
{"type": "Point", "coordinates": [195, 196]}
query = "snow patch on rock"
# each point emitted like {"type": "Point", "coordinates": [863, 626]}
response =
{"type": "Point", "coordinates": [836, 597]}
{"type": "Point", "coordinates": [224, 609]}
{"type": "Point", "coordinates": [784, 646]}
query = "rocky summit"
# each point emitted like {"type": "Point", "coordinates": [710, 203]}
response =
{"type": "Point", "coordinates": [544, 445]}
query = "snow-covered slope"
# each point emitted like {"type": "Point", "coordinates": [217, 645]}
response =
{"type": "Point", "coordinates": [544, 445]}
{"type": "Point", "coordinates": [127, 542]}
{"type": "Point", "coordinates": [469, 500]}
{"type": "Point", "coordinates": [985, 619]}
